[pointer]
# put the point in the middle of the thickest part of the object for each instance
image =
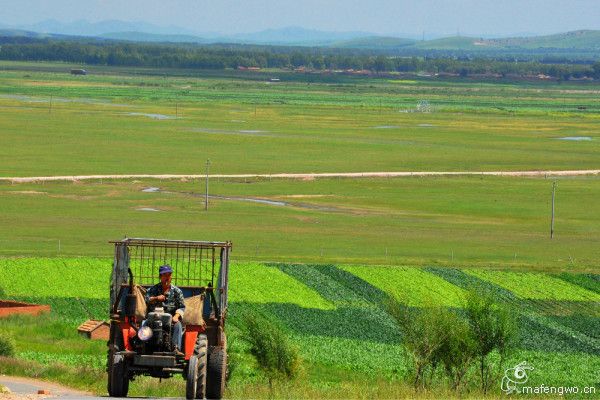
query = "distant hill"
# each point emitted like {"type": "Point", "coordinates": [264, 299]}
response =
{"type": "Point", "coordinates": [86, 28]}
{"type": "Point", "coordinates": [151, 37]}
{"type": "Point", "coordinates": [294, 35]}
{"type": "Point", "coordinates": [582, 39]}
{"type": "Point", "coordinates": [20, 33]}
{"type": "Point", "coordinates": [449, 43]}
{"type": "Point", "coordinates": [374, 42]}
{"type": "Point", "coordinates": [586, 42]}
{"type": "Point", "coordinates": [285, 36]}
{"type": "Point", "coordinates": [23, 33]}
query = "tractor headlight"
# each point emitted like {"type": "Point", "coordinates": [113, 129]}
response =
{"type": "Point", "coordinates": [144, 333]}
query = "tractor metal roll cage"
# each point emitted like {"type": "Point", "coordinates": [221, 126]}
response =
{"type": "Point", "coordinates": [196, 265]}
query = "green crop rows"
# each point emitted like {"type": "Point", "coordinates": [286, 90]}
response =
{"type": "Point", "coordinates": [334, 313]}
{"type": "Point", "coordinates": [75, 288]}
{"type": "Point", "coordinates": [536, 286]}
{"type": "Point", "coordinates": [257, 283]}
{"type": "Point", "coordinates": [412, 286]}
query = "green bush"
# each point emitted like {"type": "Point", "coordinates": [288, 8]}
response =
{"type": "Point", "coordinates": [275, 355]}
{"type": "Point", "coordinates": [492, 329]}
{"type": "Point", "coordinates": [458, 348]}
{"type": "Point", "coordinates": [424, 333]}
{"type": "Point", "coordinates": [458, 342]}
{"type": "Point", "coordinates": [7, 346]}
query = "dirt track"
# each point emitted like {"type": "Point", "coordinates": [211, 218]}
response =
{"type": "Point", "coordinates": [305, 175]}
{"type": "Point", "coordinates": [21, 388]}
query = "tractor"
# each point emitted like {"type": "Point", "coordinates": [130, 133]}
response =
{"type": "Point", "coordinates": [140, 341]}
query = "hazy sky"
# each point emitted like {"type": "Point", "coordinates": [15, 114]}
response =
{"type": "Point", "coordinates": [485, 17]}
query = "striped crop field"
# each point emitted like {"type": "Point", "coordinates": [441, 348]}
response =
{"type": "Point", "coordinates": [335, 313]}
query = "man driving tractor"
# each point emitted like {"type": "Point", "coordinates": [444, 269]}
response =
{"type": "Point", "coordinates": [170, 297]}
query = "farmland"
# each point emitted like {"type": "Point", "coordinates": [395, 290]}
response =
{"type": "Point", "coordinates": [318, 256]}
{"type": "Point", "coordinates": [331, 312]}
{"type": "Point", "coordinates": [250, 126]}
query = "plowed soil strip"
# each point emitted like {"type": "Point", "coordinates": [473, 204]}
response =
{"type": "Point", "coordinates": [305, 175]}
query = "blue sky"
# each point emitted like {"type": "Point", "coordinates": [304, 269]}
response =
{"type": "Point", "coordinates": [484, 17]}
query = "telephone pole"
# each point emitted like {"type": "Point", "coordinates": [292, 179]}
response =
{"type": "Point", "coordinates": [552, 219]}
{"type": "Point", "coordinates": [206, 197]}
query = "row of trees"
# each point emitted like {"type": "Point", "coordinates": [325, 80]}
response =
{"type": "Point", "coordinates": [471, 343]}
{"type": "Point", "coordinates": [221, 57]}
{"type": "Point", "coordinates": [465, 349]}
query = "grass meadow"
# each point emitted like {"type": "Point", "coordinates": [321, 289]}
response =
{"type": "Point", "coordinates": [55, 124]}
{"type": "Point", "coordinates": [315, 255]}
{"type": "Point", "coordinates": [460, 221]}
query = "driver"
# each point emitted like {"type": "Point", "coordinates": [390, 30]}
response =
{"type": "Point", "coordinates": [169, 297]}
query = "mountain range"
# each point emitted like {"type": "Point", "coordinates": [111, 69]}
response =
{"type": "Point", "coordinates": [586, 40]}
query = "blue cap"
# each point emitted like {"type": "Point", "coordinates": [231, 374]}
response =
{"type": "Point", "coordinates": [165, 269]}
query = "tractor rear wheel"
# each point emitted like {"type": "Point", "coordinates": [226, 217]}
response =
{"type": "Point", "coordinates": [216, 373]}
{"type": "Point", "coordinates": [118, 379]}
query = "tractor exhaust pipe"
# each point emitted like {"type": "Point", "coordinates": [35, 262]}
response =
{"type": "Point", "coordinates": [130, 302]}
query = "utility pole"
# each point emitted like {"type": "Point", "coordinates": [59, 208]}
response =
{"type": "Point", "coordinates": [552, 220]}
{"type": "Point", "coordinates": [206, 197]}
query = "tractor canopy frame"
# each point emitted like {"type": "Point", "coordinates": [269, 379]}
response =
{"type": "Point", "coordinates": [197, 266]}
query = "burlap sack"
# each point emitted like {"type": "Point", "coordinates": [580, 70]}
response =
{"type": "Point", "coordinates": [193, 310]}
{"type": "Point", "coordinates": [140, 302]}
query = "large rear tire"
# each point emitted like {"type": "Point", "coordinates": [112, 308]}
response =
{"type": "Point", "coordinates": [118, 379]}
{"type": "Point", "coordinates": [216, 373]}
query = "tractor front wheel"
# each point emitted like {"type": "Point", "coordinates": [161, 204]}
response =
{"type": "Point", "coordinates": [196, 374]}
{"type": "Point", "coordinates": [118, 379]}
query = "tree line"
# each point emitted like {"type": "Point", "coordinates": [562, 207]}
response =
{"type": "Point", "coordinates": [193, 56]}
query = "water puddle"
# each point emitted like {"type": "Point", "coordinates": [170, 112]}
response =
{"type": "Point", "coordinates": [247, 132]}
{"type": "Point", "coordinates": [153, 116]}
{"type": "Point", "coordinates": [27, 99]}
{"type": "Point", "coordinates": [282, 203]}
{"type": "Point", "coordinates": [253, 200]}
{"type": "Point", "coordinates": [146, 209]}
{"type": "Point", "coordinates": [31, 99]}
{"type": "Point", "coordinates": [151, 190]}
{"type": "Point", "coordinates": [279, 203]}
{"type": "Point", "coordinates": [577, 138]}
{"type": "Point", "coordinates": [26, 192]}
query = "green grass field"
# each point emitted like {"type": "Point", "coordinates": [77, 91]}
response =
{"type": "Point", "coordinates": [317, 256]}
{"type": "Point", "coordinates": [459, 221]}
{"type": "Point", "coordinates": [55, 124]}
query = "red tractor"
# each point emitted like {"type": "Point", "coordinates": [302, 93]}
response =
{"type": "Point", "coordinates": [140, 341]}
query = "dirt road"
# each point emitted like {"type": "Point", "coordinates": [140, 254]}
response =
{"type": "Point", "coordinates": [306, 175]}
{"type": "Point", "coordinates": [20, 388]}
